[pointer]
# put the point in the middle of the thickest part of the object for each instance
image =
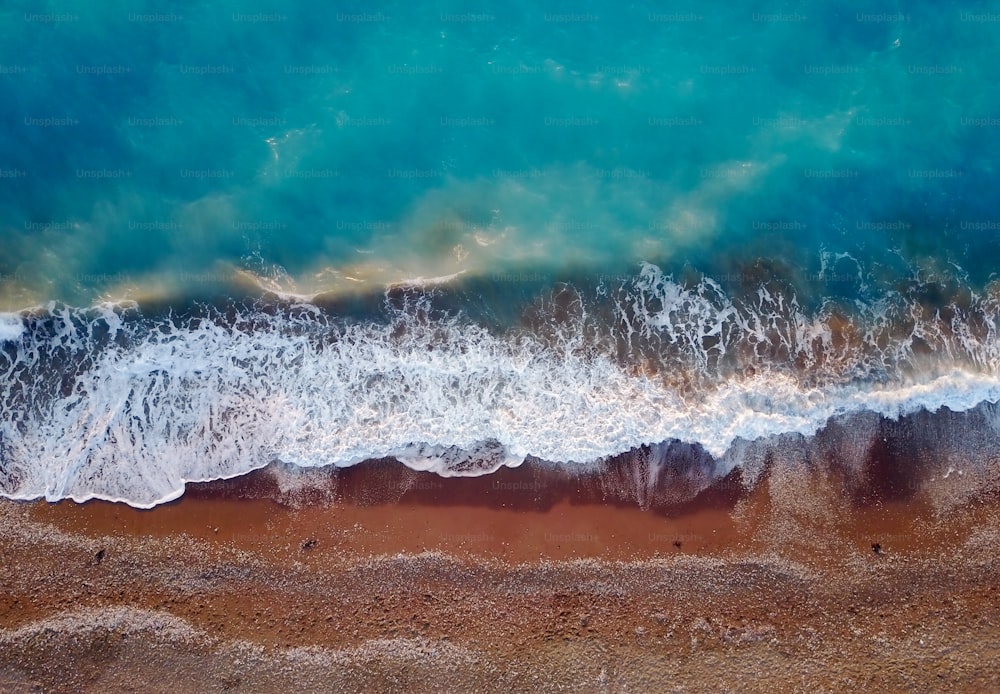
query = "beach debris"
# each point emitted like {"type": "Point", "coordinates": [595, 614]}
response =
{"type": "Point", "coordinates": [309, 544]}
{"type": "Point", "coordinates": [678, 544]}
{"type": "Point", "coordinates": [99, 557]}
{"type": "Point", "coordinates": [877, 548]}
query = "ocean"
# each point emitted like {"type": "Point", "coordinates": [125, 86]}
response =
{"type": "Point", "coordinates": [238, 234]}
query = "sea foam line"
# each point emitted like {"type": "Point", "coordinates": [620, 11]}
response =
{"type": "Point", "coordinates": [156, 403]}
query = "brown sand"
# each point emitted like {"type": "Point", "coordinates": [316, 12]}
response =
{"type": "Point", "coordinates": [380, 579]}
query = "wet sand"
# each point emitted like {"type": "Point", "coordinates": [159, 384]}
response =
{"type": "Point", "coordinates": [377, 578]}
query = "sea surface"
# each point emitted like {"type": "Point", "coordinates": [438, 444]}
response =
{"type": "Point", "coordinates": [465, 235]}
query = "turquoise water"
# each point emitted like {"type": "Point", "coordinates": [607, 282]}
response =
{"type": "Point", "coordinates": [591, 211]}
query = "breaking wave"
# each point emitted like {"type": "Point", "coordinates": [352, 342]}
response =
{"type": "Point", "coordinates": [109, 402]}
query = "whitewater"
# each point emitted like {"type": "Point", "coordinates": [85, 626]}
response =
{"type": "Point", "coordinates": [109, 403]}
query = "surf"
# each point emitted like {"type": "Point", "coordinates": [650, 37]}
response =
{"type": "Point", "coordinates": [112, 402]}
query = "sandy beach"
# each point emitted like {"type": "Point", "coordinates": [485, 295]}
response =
{"type": "Point", "coordinates": [377, 578]}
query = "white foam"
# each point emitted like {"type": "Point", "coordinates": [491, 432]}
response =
{"type": "Point", "coordinates": [216, 400]}
{"type": "Point", "coordinates": [11, 327]}
{"type": "Point", "coordinates": [421, 282]}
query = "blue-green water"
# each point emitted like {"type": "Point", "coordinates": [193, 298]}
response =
{"type": "Point", "coordinates": [238, 232]}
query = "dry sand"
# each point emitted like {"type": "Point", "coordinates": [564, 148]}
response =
{"type": "Point", "coordinates": [381, 579]}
